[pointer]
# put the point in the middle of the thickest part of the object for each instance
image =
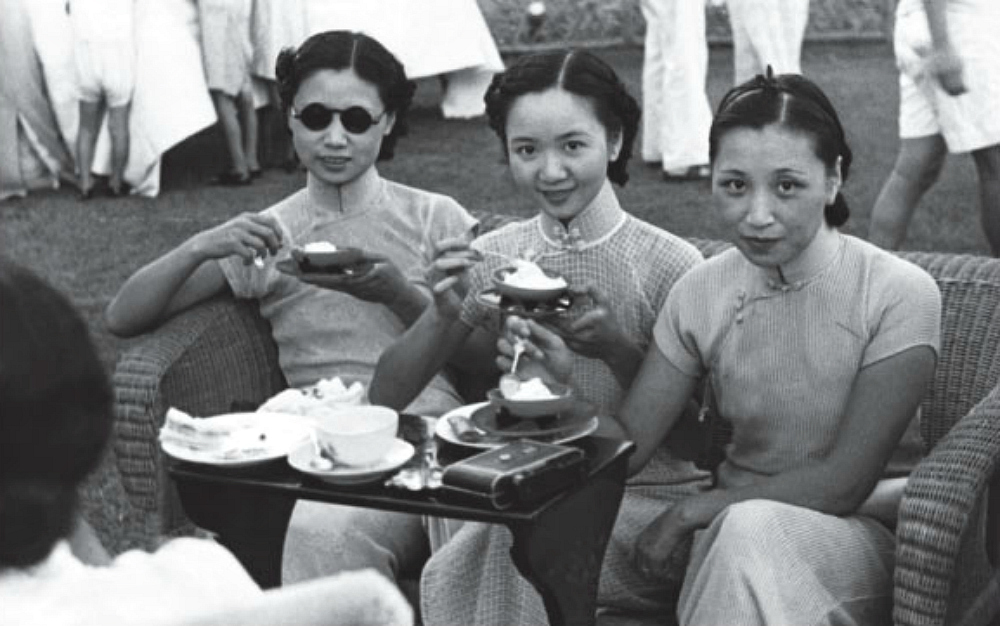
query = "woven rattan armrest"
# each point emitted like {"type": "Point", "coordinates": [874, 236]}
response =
{"type": "Point", "coordinates": [209, 359]}
{"type": "Point", "coordinates": [941, 529]}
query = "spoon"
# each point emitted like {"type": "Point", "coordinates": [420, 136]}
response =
{"type": "Point", "coordinates": [510, 382]}
{"type": "Point", "coordinates": [319, 461]}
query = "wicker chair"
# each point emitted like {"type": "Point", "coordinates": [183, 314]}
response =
{"type": "Point", "coordinates": [219, 355]}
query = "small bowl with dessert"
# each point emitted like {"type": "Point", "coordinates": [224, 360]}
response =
{"type": "Point", "coordinates": [532, 398]}
{"type": "Point", "coordinates": [525, 281]}
{"type": "Point", "coordinates": [326, 258]}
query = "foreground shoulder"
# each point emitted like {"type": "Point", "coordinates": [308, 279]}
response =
{"type": "Point", "coordinates": [207, 558]}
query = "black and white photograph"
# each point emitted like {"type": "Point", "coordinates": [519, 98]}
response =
{"type": "Point", "coordinates": [500, 312]}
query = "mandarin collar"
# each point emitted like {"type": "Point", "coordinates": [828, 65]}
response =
{"type": "Point", "coordinates": [597, 220]}
{"type": "Point", "coordinates": [820, 254]}
{"type": "Point", "coordinates": [352, 198]}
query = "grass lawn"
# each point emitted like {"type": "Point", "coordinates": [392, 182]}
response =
{"type": "Point", "coordinates": [88, 249]}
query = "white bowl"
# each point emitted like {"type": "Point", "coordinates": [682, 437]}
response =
{"type": "Point", "coordinates": [357, 436]}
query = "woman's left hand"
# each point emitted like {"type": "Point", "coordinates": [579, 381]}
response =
{"type": "Point", "coordinates": [662, 548]}
{"type": "Point", "coordinates": [382, 282]}
{"type": "Point", "coordinates": [596, 334]}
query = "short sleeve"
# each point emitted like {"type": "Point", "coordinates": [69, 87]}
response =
{"type": "Point", "coordinates": [904, 310]}
{"type": "Point", "coordinates": [447, 219]}
{"type": "Point", "coordinates": [673, 333]}
{"type": "Point", "coordinates": [675, 258]}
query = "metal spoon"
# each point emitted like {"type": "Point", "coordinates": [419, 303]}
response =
{"type": "Point", "coordinates": [320, 461]}
{"type": "Point", "coordinates": [510, 382]}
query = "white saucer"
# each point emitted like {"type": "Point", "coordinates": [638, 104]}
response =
{"type": "Point", "coordinates": [257, 438]}
{"type": "Point", "coordinates": [302, 458]}
{"type": "Point", "coordinates": [444, 430]}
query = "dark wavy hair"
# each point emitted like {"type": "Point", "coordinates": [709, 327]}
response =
{"type": "Point", "coordinates": [578, 72]}
{"type": "Point", "coordinates": [55, 414]}
{"type": "Point", "coordinates": [370, 60]}
{"type": "Point", "coordinates": [795, 102]}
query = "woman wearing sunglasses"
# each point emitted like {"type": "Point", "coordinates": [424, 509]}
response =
{"type": "Point", "coordinates": [345, 98]}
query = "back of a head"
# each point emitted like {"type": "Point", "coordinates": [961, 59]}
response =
{"type": "Point", "coordinates": [55, 414]}
{"type": "Point", "coordinates": [343, 50]}
{"type": "Point", "coordinates": [581, 73]}
{"type": "Point", "coordinates": [797, 103]}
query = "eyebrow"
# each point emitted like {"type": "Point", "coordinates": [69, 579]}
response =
{"type": "Point", "coordinates": [781, 170]}
{"type": "Point", "coordinates": [571, 134]}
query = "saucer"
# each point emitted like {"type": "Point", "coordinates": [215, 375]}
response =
{"type": "Point", "coordinates": [302, 458]}
{"type": "Point", "coordinates": [445, 430]}
{"type": "Point", "coordinates": [530, 310]}
{"type": "Point", "coordinates": [497, 420]}
{"type": "Point", "coordinates": [291, 267]}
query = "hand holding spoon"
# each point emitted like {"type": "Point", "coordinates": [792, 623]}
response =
{"type": "Point", "coordinates": [509, 382]}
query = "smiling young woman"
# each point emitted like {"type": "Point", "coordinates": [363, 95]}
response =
{"type": "Point", "coordinates": [567, 126]}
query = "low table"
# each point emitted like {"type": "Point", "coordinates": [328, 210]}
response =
{"type": "Point", "coordinates": [559, 542]}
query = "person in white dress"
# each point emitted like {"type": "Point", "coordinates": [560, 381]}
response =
{"type": "Point", "coordinates": [677, 114]}
{"type": "Point", "coordinates": [104, 54]}
{"type": "Point", "coordinates": [445, 38]}
{"type": "Point", "coordinates": [767, 32]}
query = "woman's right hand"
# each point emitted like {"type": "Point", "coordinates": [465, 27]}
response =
{"type": "Point", "coordinates": [248, 236]}
{"type": "Point", "coordinates": [546, 355]}
{"type": "Point", "coordinates": [447, 274]}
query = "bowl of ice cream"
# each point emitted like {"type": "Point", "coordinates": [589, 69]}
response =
{"type": "Point", "coordinates": [532, 398]}
{"type": "Point", "coordinates": [527, 282]}
{"type": "Point", "coordinates": [325, 257]}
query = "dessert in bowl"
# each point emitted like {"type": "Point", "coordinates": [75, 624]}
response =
{"type": "Point", "coordinates": [531, 398]}
{"type": "Point", "coordinates": [527, 282]}
{"type": "Point", "coordinates": [356, 436]}
{"type": "Point", "coordinates": [325, 257]}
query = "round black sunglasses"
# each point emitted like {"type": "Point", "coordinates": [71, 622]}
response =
{"type": "Point", "coordinates": [317, 117]}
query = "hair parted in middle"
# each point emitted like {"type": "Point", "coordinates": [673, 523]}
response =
{"type": "Point", "coordinates": [578, 72]}
{"type": "Point", "coordinates": [341, 50]}
{"type": "Point", "coordinates": [795, 102]}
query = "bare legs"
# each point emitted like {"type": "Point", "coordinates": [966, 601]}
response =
{"type": "Point", "coordinates": [238, 120]}
{"type": "Point", "coordinates": [988, 167]}
{"type": "Point", "coordinates": [91, 116]}
{"type": "Point", "coordinates": [248, 119]}
{"type": "Point", "coordinates": [917, 168]}
{"type": "Point", "coordinates": [118, 128]}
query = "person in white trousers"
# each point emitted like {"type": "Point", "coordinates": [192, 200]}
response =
{"type": "Point", "coordinates": [676, 112]}
{"type": "Point", "coordinates": [767, 32]}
